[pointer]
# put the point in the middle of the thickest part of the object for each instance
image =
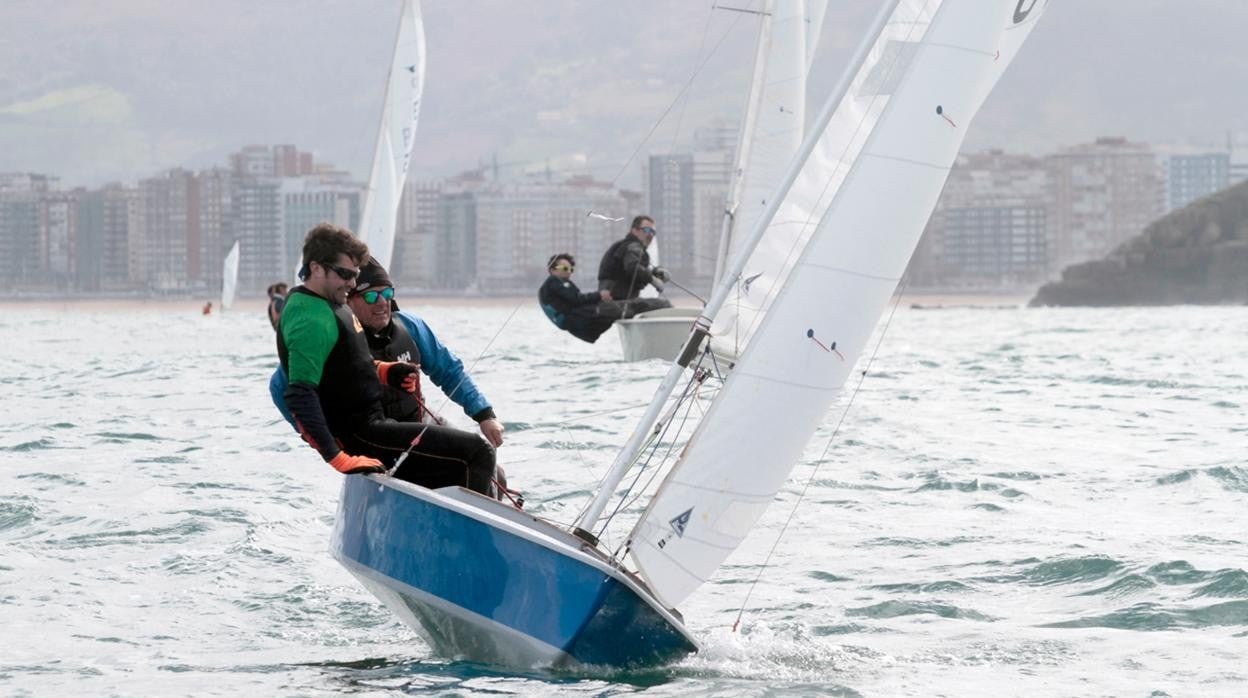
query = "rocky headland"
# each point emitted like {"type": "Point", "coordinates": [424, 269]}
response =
{"type": "Point", "coordinates": [1197, 254]}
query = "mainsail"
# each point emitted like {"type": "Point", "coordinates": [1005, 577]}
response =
{"type": "Point", "coordinates": [395, 136]}
{"type": "Point", "coordinates": [846, 220]}
{"type": "Point", "coordinates": [229, 277]}
{"type": "Point", "coordinates": [772, 130]}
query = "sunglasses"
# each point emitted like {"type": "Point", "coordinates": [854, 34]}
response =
{"type": "Point", "coordinates": [371, 297]}
{"type": "Point", "coordinates": [563, 267]}
{"type": "Point", "coordinates": [343, 273]}
{"type": "Point", "coordinates": [649, 231]}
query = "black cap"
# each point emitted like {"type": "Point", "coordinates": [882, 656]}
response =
{"type": "Point", "coordinates": [372, 274]}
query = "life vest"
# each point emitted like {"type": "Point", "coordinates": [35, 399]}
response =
{"type": "Point", "coordinates": [349, 390]}
{"type": "Point", "coordinates": [397, 344]}
{"type": "Point", "coordinates": [547, 299]}
{"type": "Point", "coordinates": [611, 273]}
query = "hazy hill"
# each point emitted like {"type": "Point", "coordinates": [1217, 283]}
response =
{"type": "Point", "coordinates": [1197, 254]}
{"type": "Point", "coordinates": [96, 90]}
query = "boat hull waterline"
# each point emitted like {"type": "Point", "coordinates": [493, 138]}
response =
{"type": "Point", "coordinates": [481, 581]}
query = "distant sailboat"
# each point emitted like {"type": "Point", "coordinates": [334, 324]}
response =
{"type": "Point", "coordinates": [772, 128]}
{"type": "Point", "coordinates": [229, 277]}
{"type": "Point", "coordinates": [392, 155]}
{"type": "Point", "coordinates": [486, 582]}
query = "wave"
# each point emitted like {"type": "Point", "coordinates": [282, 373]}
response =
{"type": "Point", "coordinates": [895, 609]}
{"type": "Point", "coordinates": [1152, 617]}
{"type": "Point", "coordinates": [1231, 478]}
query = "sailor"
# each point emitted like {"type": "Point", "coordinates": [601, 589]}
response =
{"type": "Point", "coordinates": [334, 395]}
{"type": "Point", "coordinates": [570, 310]}
{"type": "Point", "coordinates": [277, 299]}
{"type": "Point", "coordinates": [625, 270]}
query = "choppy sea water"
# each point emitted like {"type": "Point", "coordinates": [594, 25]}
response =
{"type": "Point", "coordinates": [1018, 502]}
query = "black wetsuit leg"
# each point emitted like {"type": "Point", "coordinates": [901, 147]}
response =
{"type": "Point", "coordinates": [444, 457]}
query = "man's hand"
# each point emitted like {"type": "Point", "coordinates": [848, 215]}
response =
{"type": "Point", "coordinates": [661, 274]}
{"type": "Point", "coordinates": [399, 374]}
{"type": "Point", "coordinates": [604, 295]}
{"type": "Point", "coordinates": [492, 430]}
{"type": "Point", "coordinates": [350, 465]}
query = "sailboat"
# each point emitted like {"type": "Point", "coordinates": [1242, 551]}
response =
{"type": "Point", "coordinates": [393, 152]}
{"type": "Point", "coordinates": [482, 581]}
{"type": "Point", "coordinates": [772, 127]}
{"type": "Point", "coordinates": [229, 277]}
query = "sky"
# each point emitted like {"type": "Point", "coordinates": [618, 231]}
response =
{"type": "Point", "coordinates": [114, 91]}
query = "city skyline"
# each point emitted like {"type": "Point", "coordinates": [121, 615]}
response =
{"type": "Point", "coordinates": [123, 91]}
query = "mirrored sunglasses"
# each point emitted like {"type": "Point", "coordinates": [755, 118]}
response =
{"type": "Point", "coordinates": [371, 297]}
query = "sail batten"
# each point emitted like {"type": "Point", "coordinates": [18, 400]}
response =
{"type": "Point", "coordinates": [392, 155]}
{"type": "Point", "coordinates": [807, 306]}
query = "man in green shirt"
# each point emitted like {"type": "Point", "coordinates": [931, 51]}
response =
{"type": "Point", "coordinates": [335, 385]}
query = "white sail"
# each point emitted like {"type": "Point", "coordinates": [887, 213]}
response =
{"type": "Point", "coordinates": [773, 120]}
{"type": "Point", "coordinates": [771, 133]}
{"type": "Point", "coordinates": [395, 136]}
{"type": "Point", "coordinates": [846, 230]}
{"type": "Point", "coordinates": [814, 11]}
{"type": "Point", "coordinates": [229, 277]}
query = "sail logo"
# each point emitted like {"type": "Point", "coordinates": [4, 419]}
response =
{"type": "Point", "coordinates": [678, 525]}
{"type": "Point", "coordinates": [1020, 14]}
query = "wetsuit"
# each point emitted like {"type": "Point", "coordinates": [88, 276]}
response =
{"type": "Point", "coordinates": [572, 311]}
{"type": "Point", "coordinates": [334, 396]}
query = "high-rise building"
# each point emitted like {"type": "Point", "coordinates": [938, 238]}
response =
{"type": "Point", "coordinates": [686, 195]}
{"type": "Point", "coordinates": [256, 222]}
{"type": "Point", "coordinates": [214, 188]}
{"type": "Point", "coordinates": [989, 229]}
{"type": "Point", "coordinates": [24, 220]}
{"type": "Point", "coordinates": [1103, 193]}
{"type": "Point", "coordinates": [456, 241]}
{"type": "Point", "coordinates": [310, 200]}
{"type": "Point", "coordinates": [520, 225]}
{"type": "Point", "coordinates": [415, 244]}
{"type": "Point", "coordinates": [102, 238]}
{"type": "Point", "coordinates": [169, 210]}
{"type": "Point", "coordinates": [1191, 174]}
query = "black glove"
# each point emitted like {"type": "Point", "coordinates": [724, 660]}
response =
{"type": "Point", "coordinates": [398, 374]}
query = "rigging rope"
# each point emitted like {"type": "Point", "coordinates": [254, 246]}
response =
{"type": "Point", "coordinates": [687, 86]}
{"type": "Point", "coordinates": [822, 457]}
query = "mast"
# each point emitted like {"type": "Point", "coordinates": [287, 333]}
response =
{"type": "Point", "coordinates": [702, 325]}
{"type": "Point", "coordinates": [744, 141]}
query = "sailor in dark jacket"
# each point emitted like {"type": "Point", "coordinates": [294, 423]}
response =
{"type": "Point", "coordinates": [625, 270]}
{"type": "Point", "coordinates": [572, 311]}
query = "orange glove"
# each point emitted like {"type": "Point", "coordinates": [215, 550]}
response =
{"type": "Point", "coordinates": [399, 374]}
{"type": "Point", "coordinates": [349, 465]}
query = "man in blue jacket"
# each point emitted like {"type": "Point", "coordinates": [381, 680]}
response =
{"type": "Point", "coordinates": [408, 340]}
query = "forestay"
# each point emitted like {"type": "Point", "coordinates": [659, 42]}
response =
{"type": "Point", "coordinates": [392, 155]}
{"type": "Point", "coordinates": [845, 232]}
{"type": "Point", "coordinates": [229, 277]}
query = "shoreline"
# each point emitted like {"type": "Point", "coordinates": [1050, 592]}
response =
{"type": "Point", "coordinates": [915, 301]}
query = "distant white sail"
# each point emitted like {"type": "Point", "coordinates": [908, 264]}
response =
{"type": "Point", "coordinates": [772, 128]}
{"type": "Point", "coordinates": [229, 277]}
{"type": "Point", "coordinates": [845, 232]}
{"type": "Point", "coordinates": [392, 155]}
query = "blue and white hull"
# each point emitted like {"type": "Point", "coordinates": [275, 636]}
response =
{"type": "Point", "coordinates": [482, 581]}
